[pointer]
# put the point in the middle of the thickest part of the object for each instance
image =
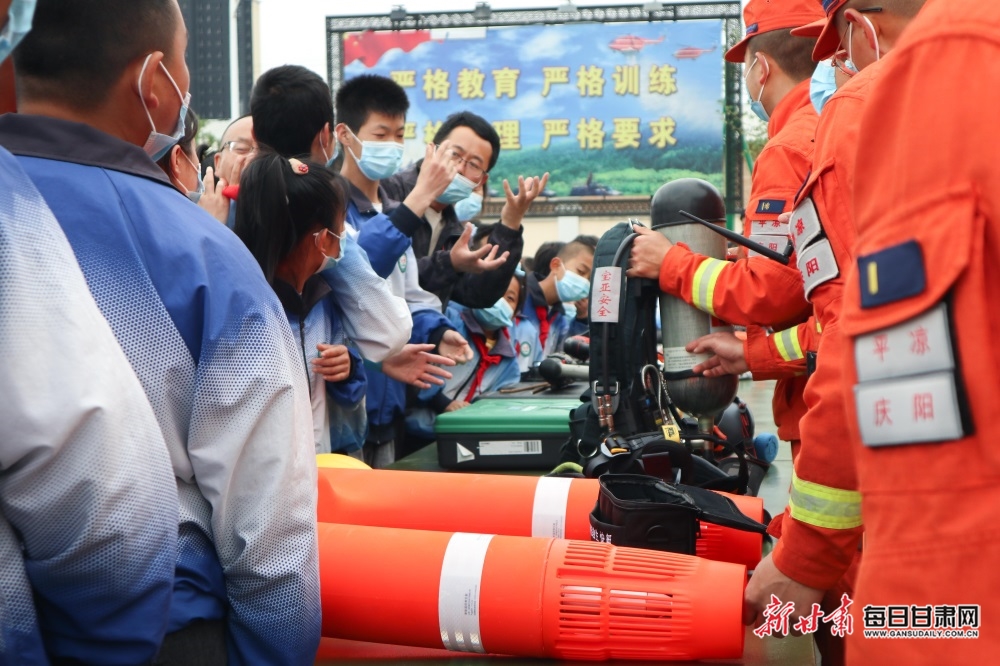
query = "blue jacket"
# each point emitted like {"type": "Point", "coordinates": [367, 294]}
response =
{"type": "Point", "coordinates": [88, 502]}
{"type": "Point", "coordinates": [386, 398]}
{"type": "Point", "coordinates": [212, 348]}
{"type": "Point", "coordinates": [339, 420]}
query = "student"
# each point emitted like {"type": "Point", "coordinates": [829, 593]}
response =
{"type": "Point", "coordinates": [88, 501]}
{"type": "Point", "coordinates": [564, 277]}
{"type": "Point", "coordinates": [290, 215]}
{"type": "Point", "coordinates": [102, 91]}
{"type": "Point", "coordinates": [180, 163]}
{"type": "Point", "coordinates": [372, 110]}
{"type": "Point", "coordinates": [493, 365]}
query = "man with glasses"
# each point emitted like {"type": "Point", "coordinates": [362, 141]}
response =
{"type": "Point", "coordinates": [822, 526]}
{"type": "Point", "coordinates": [236, 147]}
{"type": "Point", "coordinates": [447, 267]}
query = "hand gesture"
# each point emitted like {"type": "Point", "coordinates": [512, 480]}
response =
{"type": "Point", "coordinates": [455, 347]}
{"type": "Point", "coordinates": [212, 200]}
{"type": "Point", "coordinates": [728, 359]}
{"type": "Point", "coordinates": [648, 251]}
{"type": "Point", "coordinates": [416, 365]}
{"type": "Point", "coordinates": [436, 173]}
{"type": "Point", "coordinates": [466, 260]}
{"type": "Point", "coordinates": [456, 405]}
{"type": "Point", "coordinates": [334, 362]}
{"type": "Point", "coordinates": [517, 205]}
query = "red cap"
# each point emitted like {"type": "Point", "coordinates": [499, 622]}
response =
{"type": "Point", "coordinates": [828, 39]}
{"type": "Point", "coordinates": [762, 16]}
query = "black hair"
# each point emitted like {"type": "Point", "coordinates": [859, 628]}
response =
{"type": "Point", "coordinates": [290, 105]}
{"type": "Point", "coordinates": [545, 254]}
{"type": "Point", "coordinates": [278, 206]}
{"type": "Point", "coordinates": [364, 95]}
{"type": "Point", "coordinates": [190, 132]}
{"type": "Point", "coordinates": [528, 264]}
{"type": "Point", "coordinates": [477, 124]}
{"type": "Point", "coordinates": [77, 51]}
{"type": "Point", "coordinates": [577, 246]}
{"type": "Point", "coordinates": [585, 239]}
{"type": "Point", "coordinates": [792, 54]}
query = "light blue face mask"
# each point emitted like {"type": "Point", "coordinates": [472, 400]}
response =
{"type": "Point", "coordinates": [499, 315]}
{"type": "Point", "coordinates": [195, 196]}
{"type": "Point", "coordinates": [331, 262]}
{"type": "Point", "coordinates": [459, 188]}
{"type": "Point", "coordinates": [379, 159]}
{"type": "Point", "coordinates": [332, 158]}
{"type": "Point", "coordinates": [571, 287]}
{"type": "Point", "coordinates": [755, 104]}
{"type": "Point", "coordinates": [18, 25]}
{"type": "Point", "coordinates": [158, 144]}
{"type": "Point", "coordinates": [469, 208]}
{"type": "Point", "coordinates": [822, 86]}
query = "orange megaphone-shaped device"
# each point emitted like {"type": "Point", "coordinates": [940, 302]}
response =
{"type": "Point", "coordinates": [498, 504]}
{"type": "Point", "coordinates": [530, 597]}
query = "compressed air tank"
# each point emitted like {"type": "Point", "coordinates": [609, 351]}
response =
{"type": "Point", "coordinates": [681, 323]}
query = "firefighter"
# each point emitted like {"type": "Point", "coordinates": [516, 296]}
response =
{"type": "Point", "coordinates": [756, 291]}
{"type": "Point", "coordinates": [822, 526]}
{"type": "Point", "coordinates": [920, 356]}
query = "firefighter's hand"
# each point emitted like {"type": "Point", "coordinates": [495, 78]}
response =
{"type": "Point", "coordinates": [767, 580]}
{"type": "Point", "coordinates": [648, 251]}
{"type": "Point", "coordinates": [728, 356]}
{"type": "Point", "coordinates": [333, 363]}
{"type": "Point", "coordinates": [455, 347]}
{"type": "Point", "coordinates": [417, 365]}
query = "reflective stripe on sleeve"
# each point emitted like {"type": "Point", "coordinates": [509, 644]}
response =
{"type": "Point", "coordinates": [787, 342]}
{"type": "Point", "coordinates": [822, 506]}
{"type": "Point", "coordinates": [705, 278]}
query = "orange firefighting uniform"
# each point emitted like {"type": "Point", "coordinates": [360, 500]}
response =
{"type": "Point", "coordinates": [822, 526]}
{"type": "Point", "coordinates": [758, 291]}
{"type": "Point", "coordinates": [927, 454]}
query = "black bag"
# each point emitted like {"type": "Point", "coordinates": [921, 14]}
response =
{"type": "Point", "coordinates": [645, 512]}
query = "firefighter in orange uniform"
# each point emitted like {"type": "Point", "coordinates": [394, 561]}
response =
{"type": "Point", "coordinates": [822, 526]}
{"type": "Point", "coordinates": [921, 359]}
{"type": "Point", "coordinates": [757, 291]}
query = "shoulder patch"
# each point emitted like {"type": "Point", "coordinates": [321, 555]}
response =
{"type": "Point", "coordinates": [771, 206]}
{"type": "Point", "coordinates": [892, 274]}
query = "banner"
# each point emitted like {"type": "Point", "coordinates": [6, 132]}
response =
{"type": "Point", "coordinates": [606, 109]}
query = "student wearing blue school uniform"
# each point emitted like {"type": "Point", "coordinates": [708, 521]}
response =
{"type": "Point", "coordinates": [564, 278]}
{"type": "Point", "coordinates": [490, 332]}
{"type": "Point", "coordinates": [290, 215]}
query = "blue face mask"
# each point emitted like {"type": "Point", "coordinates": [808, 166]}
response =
{"type": "Point", "coordinates": [571, 287]}
{"type": "Point", "coordinates": [756, 105]}
{"type": "Point", "coordinates": [379, 159]}
{"type": "Point", "coordinates": [158, 144]}
{"type": "Point", "coordinates": [331, 262]}
{"type": "Point", "coordinates": [822, 86]}
{"type": "Point", "coordinates": [18, 25]}
{"type": "Point", "coordinates": [332, 158]}
{"type": "Point", "coordinates": [459, 188]}
{"type": "Point", "coordinates": [500, 315]}
{"type": "Point", "coordinates": [469, 208]}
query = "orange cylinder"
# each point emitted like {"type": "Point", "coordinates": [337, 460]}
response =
{"type": "Point", "coordinates": [531, 597]}
{"type": "Point", "coordinates": [497, 504]}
